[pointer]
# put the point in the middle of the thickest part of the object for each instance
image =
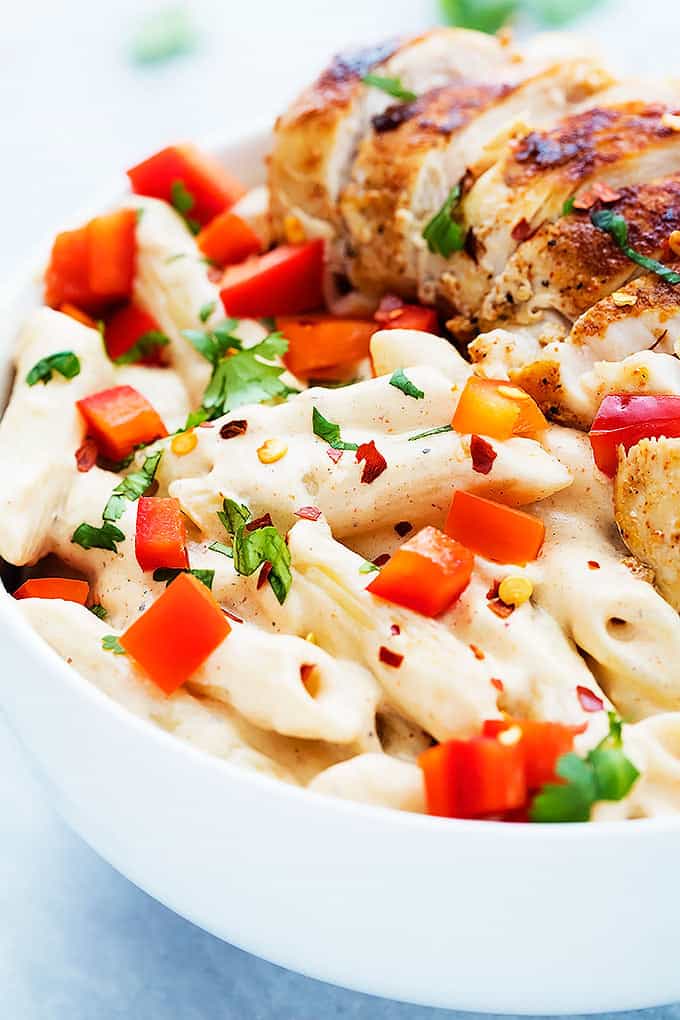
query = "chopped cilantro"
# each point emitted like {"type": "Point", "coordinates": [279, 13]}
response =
{"type": "Point", "coordinates": [132, 487]}
{"type": "Point", "coordinates": [604, 774]}
{"type": "Point", "coordinates": [367, 567]}
{"type": "Point", "coordinates": [329, 431]}
{"type": "Point", "coordinates": [206, 310]}
{"type": "Point", "coordinates": [163, 35]}
{"type": "Point", "coordinates": [220, 547]}
{"type": "Point", "coordinates": [403, 383]}
{"type": "Point", "coordinates": [568, 206]}
{"type": "Point", "coordinates": [392, 86]}
{"type": "Point", "coordinates": [442, 233]}
{"type": "Point", "coordinates": [110, 643]}
{"type": "Point", "coordinates": [141, 348]}
{"type": "Point", "coordinates": [482, 15]}
{"type": "Point", "coordinates": [89, 537]}
{"type": "Point", "coordinates": [430, 432]}
{"type": "Point", "coordinates": [183, 201]}
{"type": "Point", "coordinates": [98, 611]}
{"type": "Point", "coordinates": [214, 344]}
{"type": "Point", "coordinates": [615, 225]}
{"type": "Point", "coordinates": [66, 363]}
{"type": "Point", "coordinates": [168, 574]}
{"type": "Point", "coordinates": [233, 515]}
{"type": "Point", "coordinates": [264, 545]}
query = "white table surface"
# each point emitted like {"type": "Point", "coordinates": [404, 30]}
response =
{"type": "Point", "coordinates": [77, 941]}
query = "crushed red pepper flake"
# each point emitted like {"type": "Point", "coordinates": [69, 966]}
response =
{"type": "Point", "coordinates": [500, 608]}
{"type": "Point", "coordinates": [477, 652]}
{"type": "Point", "coordinates": [264, 521]}
{"type": "Point", "coordinates": [483, 455]}
{"type": "Point", "coordinates": [206, 425]}
{"type": "Point", "coordinates": [588, 700]}
{"type": "Point", "coordinates": [390, 658]}
{"type": "Point", "coordinates": [498, 684]}
{"type": "Point", "coordinates": [86, 455]}
{"type": "Point", "coordinates": [234, 428]}
{"type": "Point", "coordinates": [593, 564]}
{"type": "Point", "coordinates": [308, 513]}
{"type": "Point", "coordinates": [381, 560]}
{"type": "Point", "coordinates": [374, 462]}
{"type": "Point", "coordinates": [306, 671]}
{"type": "Point", "coordinates": [599, 192]}
{"type": "Point", "coordinates": [522, 231]}
{"type": "Point", "coordinates": [402, 528]}
{"type": "Point", "coordinates": [395, 629]}
{"type": "Point", "coordinates": [264, 574]}
{"type": "Point", "coordinates": [232, 616]}
{"type": "Point", "coordinates": [335, 455]}
{"type": "Point", "coordinates": [493, 590]}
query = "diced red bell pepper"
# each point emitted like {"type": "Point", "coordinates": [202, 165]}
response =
{"type": "Point", "coordinates": [161, 535]}
{"type": "Point", "coordinates": [120, 419]}
{"type": "Point", "coordinates": [111, 249]}
{"type": "Point", "coordinates": [177, 633]}
{"type": "Point", "coordinates": [94, 266]}
{"type": "Point", "coordinates": [317, 343]}
{"type": "Point", "coordinates": [428, 573]}
{"type": "Point", "coordinates": [542, 744]}
{"type": "Point", "coordinates": [212, 188]}
{"type": "Point", "coordinates": [228, 239]}
{"type": "Point", "coordinates": [624, 419]}
{"type": "Point", "coordinates": [473, 778]}
{"type": "Point", "coordinates": [493, 530]}
{"type": "Point", "coordinates": [492, 407]}
{"type": "Point", "coordinates": [66, 588]}
{"type": "Point", "coordinates": [125, 327]}
{"type": "Point", "coordinates": [394, 314]}
{"type": "Point", "coordinates": [284, 281]}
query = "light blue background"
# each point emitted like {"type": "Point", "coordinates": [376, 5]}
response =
{"type": "Point", "coordinates": [77, 941]}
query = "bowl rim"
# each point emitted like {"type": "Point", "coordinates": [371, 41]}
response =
{"type": "Point", "coordinates": [18, 630]}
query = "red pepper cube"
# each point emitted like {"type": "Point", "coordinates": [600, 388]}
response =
{"type": "Point", "coordinates": [120, 419]}
{"type": "Point", "coordinates": [161, 535]}
{"type": "Point", "coordinates": [542, 743]}
{"type": "Point", "coordinates": [177, 633]}
{"type": "Point", "coordinates": [125, 327]}
{"type": "Point", "coordinates": [211, 188]}
{"type": "Point", "coordinates": [228, 239]}
{"type": "Point", "coordinates": [284, 281]}
{"type": "Point", "coordinates": [473, 778]}
{"type": "Point", "coordinates": [428, 573]}
{"type": "Point", "coordinates": [393, 315]}
{"type": "Point", "coordinates": [623, 419]}
{"type": "Point", "coordinates": [111, 254]}
{"type": "Point", "coordinates": [493, 530]}
{"type": "Point", "coordinates": [67, 276]}
{"type": "Point", "coordinates": [66, 588]}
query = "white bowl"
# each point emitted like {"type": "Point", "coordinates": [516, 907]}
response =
{"type": "Point", "coordinates": [468, 915]}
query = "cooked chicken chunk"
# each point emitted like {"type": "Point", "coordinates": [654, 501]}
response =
{"type": "Point", "coordinates": [647, 508]}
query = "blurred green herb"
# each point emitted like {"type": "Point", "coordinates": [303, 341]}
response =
{"type": "Point", "coordinates": [491, 15]}
{"type": "Point", "coordinates": [167, 33]}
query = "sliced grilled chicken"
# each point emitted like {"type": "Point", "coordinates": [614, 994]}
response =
{"type": "Point", "coordinates": [317, 138]}
{"type": "Point", "coordinates": [417, 152]}
{"type": "Point", "coordinates": [646, 501]}
{"type": "Point", "coordinates": [569, 265]}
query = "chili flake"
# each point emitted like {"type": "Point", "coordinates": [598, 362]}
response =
{"type": "Point", "coordinates": [390, 658]}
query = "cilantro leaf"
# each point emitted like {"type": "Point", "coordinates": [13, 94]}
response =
{"type": "Point", "coordinates": [233, 515]}
{"type": "Point", "coordinates": [483, 15]}
{"type": "Point", "coordinates": [168, 574]}
{"type": "Point", "coordinates": [403, 383]}
{"type": "Point", "coordinates": [442, 233]}
{"type": "Point", "coordinates": [220, 547]}
{"type": "Point", "coordinates": [430, 432]}
{"type": "Point", "coordinates": [214, 344]}
{"type": "Point", "coordinates": [568, 206]}
{"type": "Point", "coordinates": [183, 202]}
{"type": "Point", "coordinates": [89, 537]}
{"type": "Point", "coordinates": [559, 12]}
{"type": "Point", "coordinates": [110, 643]}
{"type": "Point", "coordinates": [206, 310]}
{"type": "Point", "coordinates": [165, 34]}
{"type": "Point", "coordinates": [367, 567]}
{"type": "Point", "coordinates": [614, 224]}
{"type": "Point", "coordinates": [132, 487]}
{"type": "Point", "coordinates": [142, 347]}
{"type": "Point", "coordinates": [604, 774]}
{"type": "Point", "coordinates": [98, 611]}
{"type": "Point", "coordinates": [265, 545]}
{"type": "Point", "coordinates": [66, 363]}
{"type": "Point", "coordinates": [329, 431]}
{"type": "Point", "coordinates": [392, 86]}
{"type": "Point", "coordinates": [245, 378]}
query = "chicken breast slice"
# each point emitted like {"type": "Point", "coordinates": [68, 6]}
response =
{"type": "Point", "coordinates": [570, 265]}
{"type": "Point", "coordinates": [316, 139]}
{"type": "Point", "coordinates": [618, 145]}
{"type": "Point", "coordinates": [646, 506]}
